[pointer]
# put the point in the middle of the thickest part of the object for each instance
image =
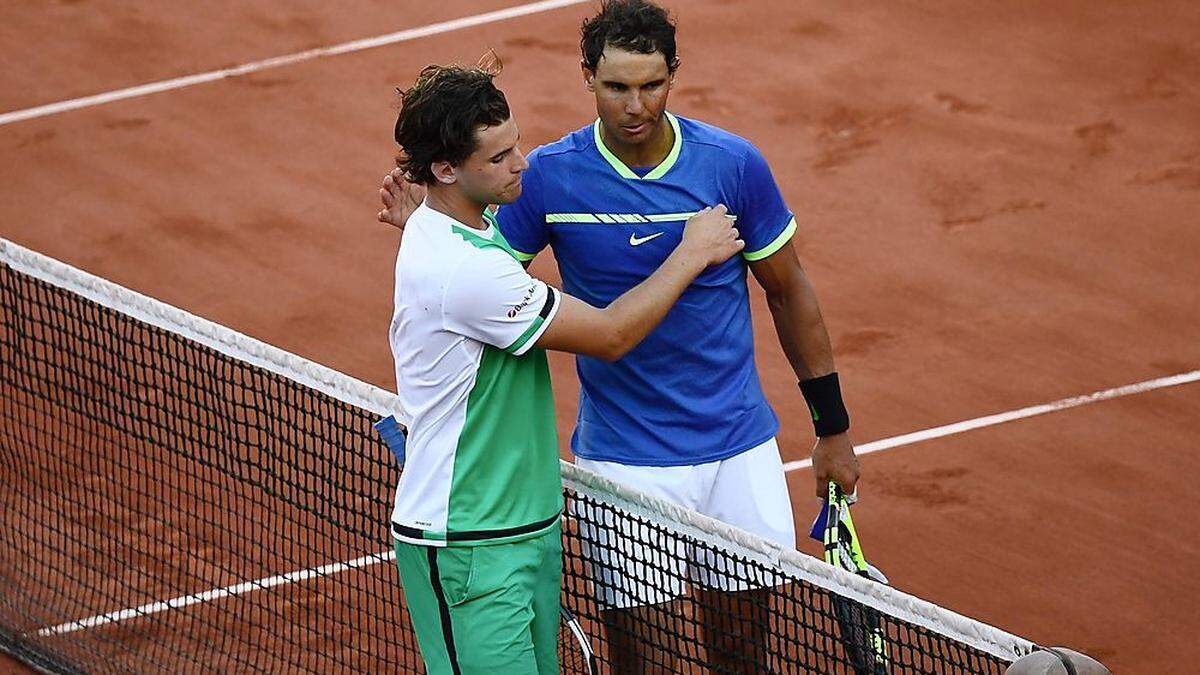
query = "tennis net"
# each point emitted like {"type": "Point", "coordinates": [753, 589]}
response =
{"type": "Point", "coordinates": [182, 497]}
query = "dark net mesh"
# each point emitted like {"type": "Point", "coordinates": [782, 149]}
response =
{"type": "Point", "coordinates": [171, 508]}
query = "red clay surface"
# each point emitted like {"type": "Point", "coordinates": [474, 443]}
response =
{"type": "Point", "coordinates": [998, 204]}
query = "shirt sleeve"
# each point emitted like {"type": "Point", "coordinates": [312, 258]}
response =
{"type": "Point", "coordinates": [764, 220]}
{"type": "Point", "coordinates": [523, 222]}
{"type": "Point", "coordinates": [491, 298]}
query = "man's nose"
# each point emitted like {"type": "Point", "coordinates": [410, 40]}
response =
{"type": "Point", "coordinates": [633, 105]}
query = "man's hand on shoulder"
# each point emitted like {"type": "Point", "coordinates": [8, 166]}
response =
{"type": "Point", "coordinates": [400, 198]}
{"type": "Point", "coordinates": [833, 460]}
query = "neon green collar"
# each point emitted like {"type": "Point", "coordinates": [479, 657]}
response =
{"type": "Point", "coordinates": [658, 171]}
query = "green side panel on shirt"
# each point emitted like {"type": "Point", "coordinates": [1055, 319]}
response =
{"type": "Point", "coordinates": [479, 241]}
{"type": "Point", "coordinates": [506, 471]}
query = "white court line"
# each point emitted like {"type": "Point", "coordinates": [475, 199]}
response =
{"type": "Point", "coordinates": [1001, 418]}
{"type": "Point", "coordinates": [217, 593]}
{"type": "Point", "coordinates": [289, 59]}
{"type": "Point", "coordinates": [388, 556]}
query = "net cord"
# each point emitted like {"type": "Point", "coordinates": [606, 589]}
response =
{"type": "Point", "coordinates": [208, 333]}
{"type": "Point", "coordinates": [683, 521]}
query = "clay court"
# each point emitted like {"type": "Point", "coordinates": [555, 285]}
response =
{"type": "Point", "coordinates": [998, 204]}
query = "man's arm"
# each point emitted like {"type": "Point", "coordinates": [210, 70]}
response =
{"type": "Point", "coordinates": [805, 342]}
{"type": "Point", "coordinates": [608, 333]}
{"type": "Point", "coordinates": [708, 239]}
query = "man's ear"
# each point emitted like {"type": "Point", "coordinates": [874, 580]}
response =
{"type": "Point", "coordinates": [589, 76]}
{"type": "Point", "coordinates": [443, 173]}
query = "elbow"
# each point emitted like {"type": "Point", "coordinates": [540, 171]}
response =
{"type": "Point", "coordinates": [792, 295]}
{"type": "Point", "coordinates": [613, 350]}
{"type": "Point", "coordinates": [615, 345]}
{"type": "Point", "coordinates": [609, 356]}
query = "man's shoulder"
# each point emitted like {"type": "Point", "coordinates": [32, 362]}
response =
{"type": "Point", "coordinates": [570, 146]}
{"type": "Point", "coordinates": [444, 247]}
{"type": "Point", "coordinates": [468, 270]}
{"type": "Point", "coordinates": [480, 255]}
{"type": "Point", "coordinates": [696, 132]}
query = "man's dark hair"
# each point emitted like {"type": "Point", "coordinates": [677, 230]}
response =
{"type": "Point", "coordinates": [440, 115]}
{"type": "Point", "coordinates": [636, 26]}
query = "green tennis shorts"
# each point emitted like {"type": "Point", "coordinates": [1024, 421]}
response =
{"type": "Point", "coordinates": [486, 609]}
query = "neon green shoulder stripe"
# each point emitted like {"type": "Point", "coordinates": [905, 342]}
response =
{"type": "Point", "coordinates": [479, 241]}
{"type": "Point", "coordinates": [769, 250]}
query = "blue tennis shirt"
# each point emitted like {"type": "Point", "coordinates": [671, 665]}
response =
{"type": "Point", "coordinates": [689, 393]}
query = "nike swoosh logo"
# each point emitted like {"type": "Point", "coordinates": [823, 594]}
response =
{"type": "Point", "coordinates": [635, 240]}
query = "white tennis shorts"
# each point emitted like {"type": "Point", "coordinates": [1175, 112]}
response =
{"type": "Point", "coordinates": [634, 564]}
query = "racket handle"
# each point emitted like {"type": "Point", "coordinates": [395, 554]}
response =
{"type": "Point", "coordinates": [394, 435]}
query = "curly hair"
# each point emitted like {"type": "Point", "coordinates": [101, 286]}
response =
{"type": "Point", "coordinates": [638, 26]}
{"type": "Point", "coordinates": [441, 113]}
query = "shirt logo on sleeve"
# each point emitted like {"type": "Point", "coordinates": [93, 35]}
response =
{"type": "Point", "coordinates": [512, 313]}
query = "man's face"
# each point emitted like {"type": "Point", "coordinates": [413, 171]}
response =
{"type": "Point", "coordinates": [492, 174]}
{"type": "Point", "coordinates": [631, 93]}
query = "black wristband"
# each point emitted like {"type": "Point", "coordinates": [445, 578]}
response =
{"type": "Point", "coordinates": [824, 397]}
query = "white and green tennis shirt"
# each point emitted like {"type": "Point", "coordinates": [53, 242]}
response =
{"type": "Point", "coordinates": [482, 454]}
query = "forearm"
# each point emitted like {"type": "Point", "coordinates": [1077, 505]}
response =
{"type": "Point", "coordinates": [631, 317]}
{"type": "Point", "coordinates": [805, 341]}
{"type": "Point", "coordinates": [708, 239]}
{"type": "Point", "coordinates": [801, 329]}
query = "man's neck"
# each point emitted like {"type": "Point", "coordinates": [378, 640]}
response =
{"type": "Point", "coordinates": [450, 201]}
{"type": "Point", "coordinates": [648, 154]}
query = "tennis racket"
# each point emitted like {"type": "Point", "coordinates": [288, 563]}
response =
{"type": "Point", "coordinates": [575, 653]}
{"type": "Point", "coordinates": [861, 634]}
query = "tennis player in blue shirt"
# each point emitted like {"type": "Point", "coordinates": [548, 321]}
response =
{"type": "Point", "coordinates": [683, 415]}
